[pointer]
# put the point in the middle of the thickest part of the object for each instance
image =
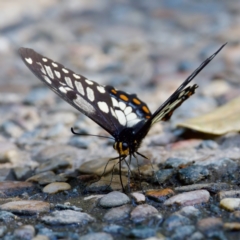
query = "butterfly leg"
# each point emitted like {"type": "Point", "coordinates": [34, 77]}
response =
{"type": "Point", "coordinates": [139, 173]}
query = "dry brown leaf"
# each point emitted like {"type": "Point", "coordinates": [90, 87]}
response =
{"type": "Point", "coordinates": [220, 121]}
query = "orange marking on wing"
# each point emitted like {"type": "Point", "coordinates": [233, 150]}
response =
{"type": "Point", "coordinates": [124, 97]}
{"type": "Point", "coordinates": [136, 101]}
{"type": "Point", "coordinates": [114, 91]}
{"type": "Point", "coordinates": [147, 116]}
{"type": "Point", "coordinates": [145, 109]}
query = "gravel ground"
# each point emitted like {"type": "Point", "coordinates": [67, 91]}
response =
{"type": "Point", "coordinates": [49, 186]}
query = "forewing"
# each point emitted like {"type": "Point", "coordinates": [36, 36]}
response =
{"type": "Point", "coordinates": [87, 96]}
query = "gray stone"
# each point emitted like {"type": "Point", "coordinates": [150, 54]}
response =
{"type": "Point", "coordinates": [26, 232]}
{"type": "Point", "coordinates": [114, 199]}
{"type": "Point", "coordinates": [67, 217]}
{"type": "Point", "coordinates": [96, 236]}
{"type": "Point", "coordinates": [117, 214]}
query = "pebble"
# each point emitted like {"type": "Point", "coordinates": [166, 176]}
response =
{"type": "Point", "coordinates": [96, 236]}
{"type": "Point", "coordinates": [211, 187]}
{"type": "Point", "coordinates": [139, 198]}
{"type": "Point", "coordinates": [183, 232]}
{"type": "Point", "coordinates": [117, 213]}
{"type": "Point", "coordinates": [5, 147]}
{"type": "Point", "coordinates": [140, 233]}
{"type": "Point", "coordinates": [7, 216]}
{"type": "Point", "coordinates": [189, 198]}
{"type": "Point", "coordinates": [4, 174]}
{"type": "Point", "coordinates": [78, 142]}
{"type": "Point", "coordinates": [66, 206]}
{"type": "Point", "coordinates": [230, 204]}
{"type": "Point", "coordinates": [232, 226]}
{"type": "Point", "coordinates": [26, 232]}
{"type": "Point", "coordinates": [46, 178]}
{"type": "Point", "coordinates": [13, 188]}
{"type": "Point", "coordinates": [3, 230]}
{"type": "Point", "coordinates": [141, 212]}
{"type": "Point", "coordinates": [193, 174]}
{"type": "Point", "coordinates": [164, 174]}
{"type": "Point", "coordinates": [22, 173]}
{"type": "Point", "coordinates": [228, 194]}
{"type": "Point", "coordinates": [208, 144]}
{"type": "Point", "coordinates": [189, 211]}
{"type": "Point", "coordinates": [159, 195]}
{"type": "Point", "coordinates": [56, 187]}
{"type": "Point", "coordinates": [68, 217]}
{"type": "Point", "coordinates": [174, 221]}
{"type": "Point", "coordinates": [114, 199]}
{"type": "Point", "coordinates": [40, 237]}
{"type": "Point", "coordinates": [209, 224]}
{"type": "Point", "coordinates": [26, 207]}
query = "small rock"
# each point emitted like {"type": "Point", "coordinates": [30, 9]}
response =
{"type": "Point", "coordinates": [235, 215]}
{"type": "Point", "coordinates": [96, 236]}
{"type": "Point", "coordinates": [40, 237]}
{"type": "Point", "coordinates": [162, 175]}
{"type": "Point", "coordinates": [56, 187]}
{"type": "Point", "coordinates": [117, 214]}
{"type": "Point", "coordinates": [78, 142]}
{"type": "Point", "coordinates": [46, 177]}
{"type": "Point", "coordinates": [7, 216]}
{"type": "Point", "coordinates": [189, 198]}
{"type": "Point", "coordinates": [208, 144]}
{"type": "Point", "coordinates": [26, 207]}
{"type": "Point", "coordinates": [228, 194]}
{"type": "Point", "coordinates": [160, 195]}
{"type": "Point", "coordinates": [3, 230]}
{"type": "Point", "coordinates": [189, 211]}
{"type": "Point", "coordinates": [232, 226]}
{"type": "Point", "coordinates": [115, 229]}
{"type": "Point", "coordinates": [211, 187]}
{"type": "Point", "coordinates": [67, 217]}
{"type": "Point", "coordinates": [230, 204]}
{"type": "Point", "coordinates": [210, 224]}
{"type": "Point", "coordinates": [192, 174]}
{"type": "Point", "coordinates": [196, 236]}
{"type": "Point", "coordinates": [175, 221]}
{"type": "Point", "coordinates": [183, 232]}
{"type": "Point", "coordinates": [141, 212]}
{"type": "Point", "coordinates": [114, 199]}
{"type": "Point", "coordinates": [140, 233]}
{"type": "Point", "coordinates": [12, 129]}
{"type": "Point", "coordinates": [22, 173]}
{"type": "Point", "coordinates": [5, 147]}
{"type": "Point", "coordinates": [24, 232]}
{"type": "Point", "coordinates": [139, 198]}
{"type": "Point", "coordinates": [4, 174]}
{"type": "Point", "coordinates": [15, 188]}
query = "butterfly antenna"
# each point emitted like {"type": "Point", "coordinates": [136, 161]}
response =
{"type": "Point", "coordinates": [85, 134]}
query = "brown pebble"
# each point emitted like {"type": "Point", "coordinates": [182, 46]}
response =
{"type": "Point", "coordinates": [232, 226]}
{"type": "Point", "coordinates": [26, 207]}
{"type": "Point", "coordinates": [160, 195]}
{"type": "Point", "coordinates": [229, 194]}
{"type": "Point", "coordinates": [209, 224]}
{"type": "Point", "coordinates": [56, 187]}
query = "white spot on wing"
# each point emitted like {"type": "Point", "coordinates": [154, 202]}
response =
{"type": "Point", "coordinates": [133, 122]}
{"type": "Point", "coordinates": [114, 102]}
{"type": "Point", "coordinates": [113, 113]}
{"type": "Point", "coordinates": [103, 106]}
{"type": "Point", "coordinates": [122, 105]}
{"type": "Point", "coordinates": [90, 94]}
{"type": "Point", "coordinates": [65, 70]}
{"type": "Point", "coordinates": [84, 105]}
{"type": "Point", "coordinates": [44, 59]}
{"type": "Point", "coordinates": [79, 87]}
{"type": "Point", "coordinates": [128, 110]}
{"type": "Point", "coordinates": [58, 74]}
{"type": "Point", "coordinates": [88, 82]}
{"type": "Point", "coordinates": [49, 71]}
{"type": "Point", "coordinates": [63, 90]}
{"type": "Point", "coordinates": [76, 76]}
{"type": "Point", "coordinates": [47, 79]}
{"type": "Point", "coordinates": [69, 81]}
{"type": "Point", "coordinates": [121, 117]}
{"type": "Point", "coordinates": [29, 60]}
{"type": "Point", "coordinates": [101, 89]}
{"type": "Point", "coordinates": [54, 64]}
{"type": "Point", "coordinates": [42, 69]}
{"type": "Point", "coordinates": [131, 116]}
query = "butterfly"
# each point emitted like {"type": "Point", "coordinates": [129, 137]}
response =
{"type": "Point", "coordinates": [124, 116]}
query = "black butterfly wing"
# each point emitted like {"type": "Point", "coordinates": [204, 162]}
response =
{"type": "Point", "coordinates": [87, 96]}
{"type": "Point", "coordinates": [164, 112]}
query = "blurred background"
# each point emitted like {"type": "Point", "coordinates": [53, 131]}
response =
{"type": "Point", "coordinates": [145, 47]}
